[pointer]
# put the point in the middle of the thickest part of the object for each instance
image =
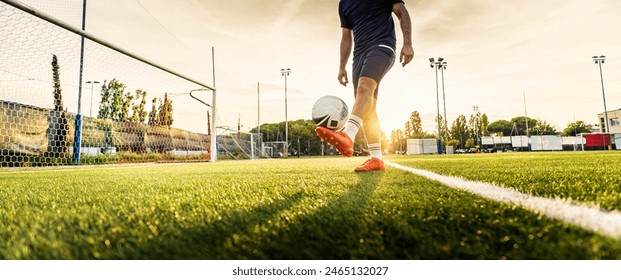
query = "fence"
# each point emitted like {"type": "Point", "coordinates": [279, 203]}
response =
{"type": "Point", "coordinates": [68, 97]}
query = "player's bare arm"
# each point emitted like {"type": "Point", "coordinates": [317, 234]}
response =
{"type": "Point", "coordinates": [407, 52]}
{"type": "Point", "coordinates": [346, 46]}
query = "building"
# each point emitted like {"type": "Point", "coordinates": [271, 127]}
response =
{"type": "Point", "coordinates": [614, 121]}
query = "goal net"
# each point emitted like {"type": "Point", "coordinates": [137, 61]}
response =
{"type": "Point", "coordinates": [69, 97]}
{"type": "Point", "coordinates": [237, 144]}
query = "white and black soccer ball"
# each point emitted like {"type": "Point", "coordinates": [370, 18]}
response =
{"type": "Point", "coordinates": [330, 112]}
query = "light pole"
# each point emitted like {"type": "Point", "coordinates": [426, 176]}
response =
{"type": "Point", "coordinates": [476, 124]}
{"type": "Point", "coordinates": [285, 73]}
{"type": "Point", "coordinates": [599, 60]}
{"type": "Point", "coordinates": [442, 68]}
{"type": "Point", "coordinates": [92, 85]}
{"type": "Point", "coordinates": [436, 65]}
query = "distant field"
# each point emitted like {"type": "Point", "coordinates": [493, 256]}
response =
{"type": "Point", "coordinates": [303, 209]}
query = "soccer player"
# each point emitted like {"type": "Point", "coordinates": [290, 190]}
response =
{"type": "Point", "coordinates": [370, 24]}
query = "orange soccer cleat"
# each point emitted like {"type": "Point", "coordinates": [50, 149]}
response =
{"type": "Point", "coordinates": [372, 164]}
{"type": "Point", "coordinates": [339, 140]}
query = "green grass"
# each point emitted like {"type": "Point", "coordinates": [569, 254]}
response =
{"type": "Point", "coordinates": [277, 209]}
{"type": "Point", "coordinates": [592, 178]}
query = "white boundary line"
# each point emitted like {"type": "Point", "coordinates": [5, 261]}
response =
{"type": "Point", "coordinates": [591, 218]}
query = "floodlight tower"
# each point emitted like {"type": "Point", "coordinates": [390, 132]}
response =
{"type": "Point", "coordinates": [437, 64]}
{"type": "Point", "coordinates": [476, 124]}
{"type": "Point", "coordinates": [285, 73]}
{"type": "Point", "coordinates": [442, 68]}
{"type": "Point", "coordinates": [599, 60]}
{"type": "Point", "coordinates": [92, 85]}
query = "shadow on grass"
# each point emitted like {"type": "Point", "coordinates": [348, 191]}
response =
{"type": "Point", "coordinates": [335, 231]}
{"type": "Point", "coordinates": [332, 232]}
{"type": "Point", "coordinates": [216, 240]}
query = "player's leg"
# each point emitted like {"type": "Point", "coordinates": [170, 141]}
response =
{"type": "Point", "coordinates": [364, 105]}
{"type": "Point", "coordinates": [343, 141]}
{"type": "Point", "coordinates": [368, 71]}
{"type": "Point", "coordinates": [372, 133]}
{"type": "Point", "coordinates": [365, 88]}
{"type": "Point", "coordinates": [379, 61]}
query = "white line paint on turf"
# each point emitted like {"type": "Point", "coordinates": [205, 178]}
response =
{"type": "Point", "coordinates": [591, 218]}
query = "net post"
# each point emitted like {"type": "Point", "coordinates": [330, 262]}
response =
{"type": "Point", "coordinates": [214, 137]}
{"type": "Point", "coordinates": [214, 147]}
{"type": "Point", "coordinates": [77, 143]}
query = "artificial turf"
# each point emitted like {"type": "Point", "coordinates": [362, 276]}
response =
{"type": "Point", "coordinates": [270, 209]}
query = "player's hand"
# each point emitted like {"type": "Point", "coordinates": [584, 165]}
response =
{"type": "Point", "coordinates": [343, 80]}
{"type": "Point", "coordinates": [407, 53]}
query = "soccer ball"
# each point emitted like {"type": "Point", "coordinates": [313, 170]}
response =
{"type": "Point", "coordinates": [330, 112]}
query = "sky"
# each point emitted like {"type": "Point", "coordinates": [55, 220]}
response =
{"type": "Point", "coordinates": [506, 57]}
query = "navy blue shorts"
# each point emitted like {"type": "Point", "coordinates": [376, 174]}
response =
{"type": "Point", "coordinates": [374, 64]}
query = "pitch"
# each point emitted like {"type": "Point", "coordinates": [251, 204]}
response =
{"type": "Point", "coordinates": [313, 208]}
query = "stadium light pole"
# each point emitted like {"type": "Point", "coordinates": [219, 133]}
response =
{"type": "Point", "coordinates": [442, 68]}
{"type": "Point", "coordinates": [599, 60]}
{"type": "Point", "coordinates": [476, 126]}
{"type": "Point", "coordinates": [92, 85]}
{"type": "Point", "coordinates": [437, 64]}
{"type": "Point", "coordinates": [285, 73]}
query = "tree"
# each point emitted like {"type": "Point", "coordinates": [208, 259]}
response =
{"type": "Point", "coordinates": [153, 113]}
{"type": "Point", "coordinates": [500, 127]}
{"type": "Point", "coordinates": [459, 130]}
{"type": "Point", "coordinates": [128, 98]}
{"type": "Point", "coordinates": [139, 114]}
{"type": "Point", "coordinates": [57, 119]}
{"type": "Point", "coordinates": [397, 141]}
{"type": "Point", "coordinates": [105, 109]}
{"type": "Point", "coordinates": [475, 126]}
{"type": "Point", "coordinates": [576, 128]}
{"type": "Point", "coordinates": [414, 126]}
{"type": "Point", "coordinates": [142, 114]}
{"type": "Point", "coordinates": [165, 110]}
{"type": "Point", "coordinates": [113, 101]}
{"type": "Point", "coordinates": [484, 125]}
{"type": "Point", "coordinates": [520, 125]}
{"type": "Point", "coordinates": [544, 128]}
{"type": "Point", "coordinates": [58, 96]}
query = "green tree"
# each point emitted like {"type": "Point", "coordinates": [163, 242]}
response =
{"type": "Point", "coordinates": [397, 141]}
{"type": "Point", "coordinates": [58, 95]}
{"type": "Point", "coordinates": [57, 119]}
{"type": "Point", "coordinates": [153, 113]}
{"type": "Point", "coordinates": [414, 126]}
{"type": "Point", "coordinates": [459, 130]}
{"type": "Point", "coordinates": [470, 143]}
{"type": "Point", "coordinates": [576, 128]}
{"type": "Point", "coordinates": [113, 101]}
{"type": "Point", "coordinates": [520, 125]}
{"type": "Point", "coordinates": [128, 99]}
{"type": "Point", "coordinates": [484, 125]}
{"type": "Point", "coordinates": [165, 112]}
{"type": "Point", "coordinates": [105, 105]}
{"type": "Point", "coordinates": [475, 127]}
{"type": "Point", "coordinates": [139, 114]}
{"type": "Point", "coordinates": [544, 128]}
{"type": "Point", "coordinates": [500, 127]}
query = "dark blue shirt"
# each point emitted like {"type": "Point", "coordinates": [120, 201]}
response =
{"type": "Point", "coordinates": [370, 21]}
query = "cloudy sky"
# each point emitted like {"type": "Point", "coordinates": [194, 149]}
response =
{"type": "Point", "coordinates": [496, 51]}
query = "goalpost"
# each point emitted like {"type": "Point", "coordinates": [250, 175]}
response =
{"type": "Point", "coordinates": [90, 75]}
{"type": "Point", "coordinates": [237, 144]}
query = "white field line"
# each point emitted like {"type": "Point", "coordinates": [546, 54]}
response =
{"type": "Point", "coordinates": [21, 170]}
{"type": "Point", "coordinates": [590, 218]}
